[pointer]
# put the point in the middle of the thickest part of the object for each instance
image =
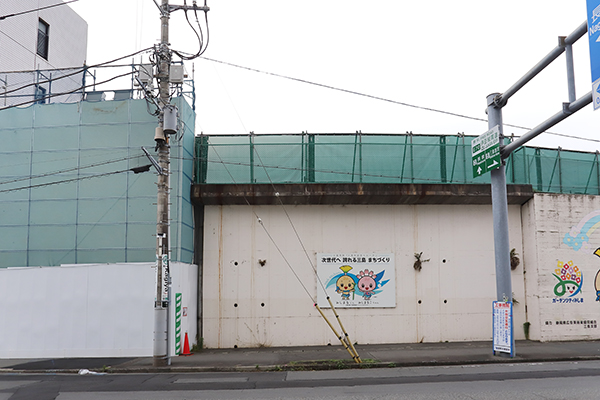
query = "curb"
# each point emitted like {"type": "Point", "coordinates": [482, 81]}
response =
{"type": "Point", "coordinates": [302, 366]}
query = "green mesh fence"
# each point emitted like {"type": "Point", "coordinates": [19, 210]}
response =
{"type": "Point", "coordinates": [373, 158]}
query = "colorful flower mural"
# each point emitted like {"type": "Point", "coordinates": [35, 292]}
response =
{"type": "Point", "coordinates": [570, 279]}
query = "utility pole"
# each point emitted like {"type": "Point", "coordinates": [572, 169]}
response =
{"type": "Point", "coordinates": [161, 303]}
{"type": "Point", "coordinates": [167, 125]}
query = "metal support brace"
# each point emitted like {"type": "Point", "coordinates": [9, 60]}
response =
{"type": "Point", "coordinates": [549, 123]}
{"type": "Point", "coordinates": [501, 99]}
{"type": "Point", "coordinates": [570, 73]}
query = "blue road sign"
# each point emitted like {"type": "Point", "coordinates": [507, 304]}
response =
{"type": "Point", "coordinates": [593, 18]}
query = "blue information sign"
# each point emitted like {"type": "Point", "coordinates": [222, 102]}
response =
{"type": "Point", "coordinates": [593, 18]}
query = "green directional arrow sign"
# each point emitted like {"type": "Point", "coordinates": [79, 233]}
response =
{"type": "Point", "coordinates": [485, 150]}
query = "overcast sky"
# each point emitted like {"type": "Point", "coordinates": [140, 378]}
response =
{"type": "Point", "coordinates": [443, 55]}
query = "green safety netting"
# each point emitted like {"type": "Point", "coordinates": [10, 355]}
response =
{"type": "Point", "coordinates": [67, 191]}
{"type": "Point", "coordinates": [379, 158]}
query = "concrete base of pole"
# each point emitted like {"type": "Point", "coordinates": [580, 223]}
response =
{"type": "Point", "coordinates": [160, 338]}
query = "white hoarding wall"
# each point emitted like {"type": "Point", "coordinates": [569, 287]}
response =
{"type": "Point", "coordinates": [94, 310]}
{"type": "Point", "coordinates": [561, 241]}
{"type": "Point", "coordinates": [255, 296]}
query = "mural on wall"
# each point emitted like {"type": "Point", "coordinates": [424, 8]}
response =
{"type": "Point", "coordinates": [597, 285]}
{"type": "Point", "coordinates": [357, 280]}
{"type": "Point", "coordinates": [570, 281]}
{"type": "Point", "coordinates": [579, 236]}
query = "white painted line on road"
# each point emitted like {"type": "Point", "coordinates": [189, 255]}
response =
{"type": "Point", "coordinates": [211, 380]}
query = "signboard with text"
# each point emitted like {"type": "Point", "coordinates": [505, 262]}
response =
{"type": "Point", "coordinates": [357, 280]}
{"type": "Point", "coordinates": [485, 150]}
{"type": "Point", "coordinates": [502, 327]}
{"type": "Point", "coordinates": [593, 18]}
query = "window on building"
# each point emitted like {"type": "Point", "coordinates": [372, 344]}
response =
{"type": "Point", "coordinates": [42, 43]}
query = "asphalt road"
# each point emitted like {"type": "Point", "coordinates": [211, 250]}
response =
{"type": "Point", "coordinates": [566, 380]}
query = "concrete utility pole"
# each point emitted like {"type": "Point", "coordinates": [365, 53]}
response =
{"type": "Point", "coordinates": [167, 125]}
{"type": "Point", "coordinates": [161, 303]}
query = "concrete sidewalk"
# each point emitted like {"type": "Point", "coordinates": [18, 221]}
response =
{"type": "Point", "coordinates": [321, 357]}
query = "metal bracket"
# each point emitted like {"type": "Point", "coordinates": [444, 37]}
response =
{"type": "Point", "coordinates": [195, 7]}
{"type": "Point", "coordinates": [162, 11]}
{"type": "Point", "coordinates": [566, 107]}
{"type": "Point", "coordinates": [499, 101]}
{"type": "Point", "coordinates": [159, 169]}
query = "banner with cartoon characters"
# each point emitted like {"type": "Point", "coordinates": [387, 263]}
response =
{"type": "Point", "coordinates": [357, 280]}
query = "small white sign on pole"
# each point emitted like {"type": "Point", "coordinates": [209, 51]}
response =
{"type": "Point", "coordinates": [503, 327]}
{"type": "Point", "coordinates": [355, 280]}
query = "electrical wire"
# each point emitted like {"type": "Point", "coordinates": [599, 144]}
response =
{"type": "Point", "coordinates": [291, 222]}
{"type": "Point", "coordinates": [383, 98]}
{"type": "Point", "coordinates": [62, 3]}
{"type": "Point", "coordinates": [330, 172]}
{"type": "Point", "coordinates": [269, 234]}
{"type": "Point", "coordinates": [200, 40]}
{"type": "Point", "coordinates": [65, 181]}
{"type": "Point", "coordinates": [78, 71]}
{"type": "Point", "coordinates": [29, 50]}
{"type": "Point", "coordinates": [44, 98]}
{"type": "Point", "coordinates": [96, 223]}
{"type": "Point", "coordinates": [70, 169]}
{"type": "Point", "coordinates": [345, 340]}
{"type": "Point", "coordinates": [199, 34]}
{"type": "Point", "coordinates": [207, 28]}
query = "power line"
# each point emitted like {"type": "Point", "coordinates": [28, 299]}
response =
{"type": "Point", "coordinates": [78, 71]}
{"type": "Point", "coordinates": [36, 9]}
{"type": "Point", "coordinates": [344, 339]}
{"type": "Point", "coordinates": [383, 98]}
{"type": "Point", "coordinates": [200, 36]}
{"type": "Point", "coordinates": [287, 262]}
{"type": "Point", "coordinates": [345, 90]}
{"type": "Point", "coordinates": [290, 221]}
{"type": "Point", "coordinates": [69, 170]}
{"type": "Point", "coordinates": [29, 50]}
{"type": "Point", "coordinates": [39, 99]}
{"type": "Point", "coordinates": [135, 170]}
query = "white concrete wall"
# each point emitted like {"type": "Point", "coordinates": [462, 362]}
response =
{"type": "Point", "coordinates": [67, 47]}
{"type": "Point", "coordinates": [99, 310]}
{"type": "Point", "coordinates": [18, 37]}
{"type": "Point", "coordinates": [184, 281]}
{"type": "Point", "coordinates": [246, 304]}
{"type": "Point", "coordinates": [547, 219]}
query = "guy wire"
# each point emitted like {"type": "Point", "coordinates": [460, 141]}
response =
{"type": "Point", "coordinates": [354, 353]}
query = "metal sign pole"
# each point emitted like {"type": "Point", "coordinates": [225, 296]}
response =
{"type": "Point", "coordinates": [500, 214]}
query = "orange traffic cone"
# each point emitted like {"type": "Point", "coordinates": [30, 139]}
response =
{"type": "Point", "coordinates": [186, 347]}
